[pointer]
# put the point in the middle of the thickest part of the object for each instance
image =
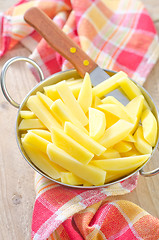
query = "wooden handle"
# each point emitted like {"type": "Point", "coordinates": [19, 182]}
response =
{"type": "Point", "coordinates": [58, 40]}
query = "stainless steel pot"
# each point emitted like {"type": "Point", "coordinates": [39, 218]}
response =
{"type": "Point", "coordinates": [52, 80]}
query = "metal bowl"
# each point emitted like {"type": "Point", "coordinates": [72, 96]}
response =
{"type": "Point", "coordinates": [52, 80]}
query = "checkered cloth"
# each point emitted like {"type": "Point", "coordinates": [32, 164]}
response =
{"type": "Point", "coordinates": [118, 35]}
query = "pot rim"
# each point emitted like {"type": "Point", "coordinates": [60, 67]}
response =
{"type": "Point", "coordinates": [45, 175]}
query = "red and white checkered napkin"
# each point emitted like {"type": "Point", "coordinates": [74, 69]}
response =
{"type": "Point", "coordinates": [118, 35]}
{"type": "Point", "coordinates": [66, 213]}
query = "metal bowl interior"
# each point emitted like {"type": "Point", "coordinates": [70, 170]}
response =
{"type": "Point", "coordinates": [64, 76]}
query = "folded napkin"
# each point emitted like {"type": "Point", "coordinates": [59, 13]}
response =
{"type": "Point", "coordinates": [74, 214]}
{"type": "Point", "coordinates": [118, 35]}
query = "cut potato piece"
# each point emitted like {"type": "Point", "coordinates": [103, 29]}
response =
{"type": "Point", "coordinates": [108, 85]}
{"type": "Point", "coordinates": [73, 81]}
{"type": "Point", "coordinates": [140, 143]}
{"type": "Point", "coordinates": [109, 153]}
{"type": "Point", "coordinates": [97, 123]}
{"type": "Point", "coordinates": [45, 99]}
{"type": "Point", "coordinates": [41, 161]}
{"type": "Point", "coordinates": [71, 179]}
{"type": "Point", "coordinates": [26, 114]}
{"type": "Point", "coordinates": [36, 141]}
{"type": "Point", "coordinates": [116, 110]}
{"type": "Point", "coordinates": [123, 146]}
{"type": "Point", "coordinates": [63, 113]}
{"type": "Point", "coordinates": [44, 115]}
{"type": "Point", "coordinates": [51, 91]}
{"type": "Point", "coordinates": [149, 125]}
{"type": "Point", "coordinates": [112, 100]}
{"type": "Point", "coordinates": [89, 173]}
{"type": "Point", "coordinates": [113, 176]}
{"type": "Point", "coordinates": [53, 94]}
{"type": "Point", "coordinates": [132, 152]}
{"type": "Point", "coordinates": [122, 164]}
{"type": "Point", "coordinates": [129, 138]}
{"type": "Point", "coordinates": [111, 119]}
{"type": "Point", "coordinates": [26, 124]}
{"type": "Point", "coordinates": [116, 133]}
{"type": "Point", "coordinates": [75, 89]}
{"type": "Point", "coordinates": [85, 94]}
{"type": "Point", "coordinates": [134, 108]}
{"type": "Point", "coordinates": [131, 90]}
{"type": "Point", "coordinates": [97, 101]}
{"type": "Point", "coordinates": [42, 133]}
{"type": "Point", "coordinates": [70, 101]}
{"type": "Point", "coordinates": [116, 175]}
{"type": "Point", "coordinates": [83, 139]}
{"type": "Point", "coordinates": [65, 142]}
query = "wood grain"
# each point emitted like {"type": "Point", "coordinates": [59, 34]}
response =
{"type": "Point", "coordinates": [16, 177]}
{"type": "Point", "coordinates": [17, 194]}
{"type": "Point", "coordinates": [59, 41]}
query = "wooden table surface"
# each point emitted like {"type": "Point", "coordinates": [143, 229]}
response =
{"type": "Point", "coordinates": [17, 194]}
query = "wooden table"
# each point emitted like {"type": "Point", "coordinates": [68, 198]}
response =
{"type": "Point", "coordinates": [17, 177]}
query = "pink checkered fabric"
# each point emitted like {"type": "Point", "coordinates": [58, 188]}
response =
{"type": "Point", "coordinates": [118, 35]}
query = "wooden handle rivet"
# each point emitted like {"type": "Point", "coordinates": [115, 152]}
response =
{"type": "Point", "coordinates": [72, 49]}
{"type": "Point", "coordinates": [85, 62]}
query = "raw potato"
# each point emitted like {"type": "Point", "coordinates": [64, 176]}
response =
{"type": "Point", "coordinates": [42, 133]}
{"type": "Point", "coordinates": [70, 101]}
{"type": "Point", "coordinates": [75, 89]}
{"type": "Point", "coordinates": [36, 141]}
{"type": "Point", "coordinates": [97, 123]}
{"type": "Point", "coordinates": [63, 114]}
{"type": "Point", "coordinates": [132, 152]}
{"type": "Point", "coordinates": [44, 115]}
{"type": "Point", "coordinates": [87, 172]}
{"type": "Point", "coordinates": [44, 99]}
{"type": "Point", "coordinates": [129, 138]}
{"type": "Point", "coordinates": [83, 139]}
{"type": "Point", "coordinates": [42, 161]}
{"type": "Point", "coordinates": [116, 110]}
{"type": "Point", "coordinates": [85, 94]}
{"type": "Point", "coordinates": [122, 164]}
{"type": "Point", "coordinates": [116, 175]}
{"type": "Point", "coordinates": [116, 133]}
{"type": "Point", "coordinates": [109, 153]}
{"type": "Point", "coordinates": [69, 145]}
{"type": "Point", "coordinates": [131, 90]}
{"type": "Point", "coordinates": [26, 124]}
{"type": "Point", "coordinates": [140, 143]}
{"type": "Point", "coordinates": [52, 93]}
{"type": "Point", "coordinates": [112, 100]}
{"type": "Point", "coordinates": [149, 124]}
{"type": "Point", "coordinates": [75, 134]}
{"type": "Point", "coordinates": [134, 108]}
{"type": "Point", "coordinates": [97, 101]}
{"type": "Point", "coordinates": [123, 146]}
{"type": "Point", "coordinates": [71, 179]}
{"type": "Point", "coordinates": [27, 114]}
{"type": "Point", "coordinates": [111, 119]}
{"type": "Point", "coordinates": [108, 85]}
